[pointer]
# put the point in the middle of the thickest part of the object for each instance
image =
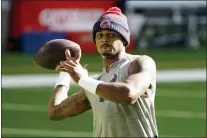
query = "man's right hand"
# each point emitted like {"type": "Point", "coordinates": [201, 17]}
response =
{"type": "Point", "coordinates": [73, 67]}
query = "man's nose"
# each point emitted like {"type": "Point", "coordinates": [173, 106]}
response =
{"type": "Point", "coordinates": [104, 40]}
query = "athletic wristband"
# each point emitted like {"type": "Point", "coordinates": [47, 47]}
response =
{"type": "Point", "coordinates": [89, 84]}
{"type": "Point", "coordinates": [61, 95]}
{"type": "Point", "coordinates": [63, 79]}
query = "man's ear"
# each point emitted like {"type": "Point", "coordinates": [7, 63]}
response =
{"type": "Point", "coordinates": [124, 42]}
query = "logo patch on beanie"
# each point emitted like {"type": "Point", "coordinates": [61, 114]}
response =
{"type": "Point", "coordinates": [105, 24]}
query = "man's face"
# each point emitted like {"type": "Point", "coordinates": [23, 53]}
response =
{"type": "Point", "coordinates": [109, 43]}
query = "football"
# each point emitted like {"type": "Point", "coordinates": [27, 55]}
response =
{"type": "Point", "coordinates": [53, 51]}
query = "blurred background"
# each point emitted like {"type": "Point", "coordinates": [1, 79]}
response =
{"type": "Point", "coordinates": [173, 33]}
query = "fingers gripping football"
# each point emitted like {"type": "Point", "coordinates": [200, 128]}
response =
{"type": "Point", "coordinates": [72, 67]}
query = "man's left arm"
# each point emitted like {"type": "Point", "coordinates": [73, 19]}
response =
{"type": "Point", "coordinates": [142, 73]}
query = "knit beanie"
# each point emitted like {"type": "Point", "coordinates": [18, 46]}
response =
{"type": "Point", "coordinates": [113, 20]}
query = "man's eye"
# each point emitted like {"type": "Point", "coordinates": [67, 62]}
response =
{"type": "Point", "coordinates": [98, 35]}
{"type": "Point", "coordinates": [111, 35]}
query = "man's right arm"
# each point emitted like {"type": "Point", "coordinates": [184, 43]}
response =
{"type": "Point", "coordinates": [73, 105]}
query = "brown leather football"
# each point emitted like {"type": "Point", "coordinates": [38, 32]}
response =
{"type": "Point", "coordinates": [52, 52]}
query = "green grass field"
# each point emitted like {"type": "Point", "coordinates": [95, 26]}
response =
{"type": "Point", "coordinates": [180, 107]}
{"type": "Point", "coordinates": [171, 58]}
{"type": "Point", "coordinates": [180, 110]}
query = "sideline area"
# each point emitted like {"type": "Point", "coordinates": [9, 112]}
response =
{"type": "Point", "coordinates": [44, 80]}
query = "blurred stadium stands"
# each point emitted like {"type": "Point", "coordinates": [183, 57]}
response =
{"type": "Point", "coordinates": [158, 23]}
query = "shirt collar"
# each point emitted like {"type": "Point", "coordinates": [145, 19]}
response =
{"type": "Point", "coordinates": [124, 58]}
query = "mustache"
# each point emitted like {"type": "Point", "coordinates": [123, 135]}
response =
{"type": "Point", "coordinates": [106, 45]}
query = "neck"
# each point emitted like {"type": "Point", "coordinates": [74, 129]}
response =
{"type": "Point", "coordinates": [109, 61]}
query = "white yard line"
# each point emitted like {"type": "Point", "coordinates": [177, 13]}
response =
{"type": "Point", "coordinates": [180, 114]}
{"type": "Point", "coordinates": [23, 107]}
{"type": "Point", "coordinates": [181, 95]}
{"type": "Point", "coordinates": [38, 80]}
{"type": "Point", "coordinates": [44, 133]}
{"type": "Point", "coordinates": [159, 113]}
{"type": "Point", "coordinates": [52, 133]}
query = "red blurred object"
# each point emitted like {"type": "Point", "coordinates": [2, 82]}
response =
{"type": "Point", "coordinates": [36, 15]}
{"type": "Point", "coordinates": [72, 16]}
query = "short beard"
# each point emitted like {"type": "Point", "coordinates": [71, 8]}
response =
{"type": "Point", "coordinates": [107, 55]}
